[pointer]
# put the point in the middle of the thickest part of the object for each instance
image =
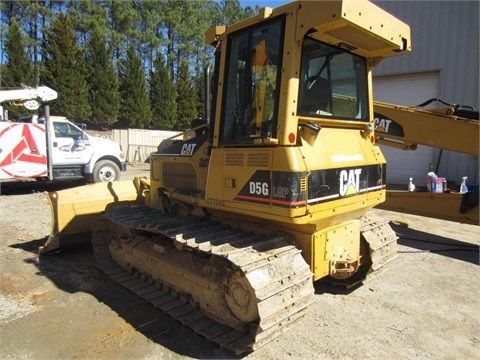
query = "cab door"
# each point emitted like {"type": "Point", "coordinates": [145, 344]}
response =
{"type": "Point", "coordinates": [70, 145]}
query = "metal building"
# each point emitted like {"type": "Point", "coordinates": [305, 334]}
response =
{"type": "Point", "coordinates": [443, 64]}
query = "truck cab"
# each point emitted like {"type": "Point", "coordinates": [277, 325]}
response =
{"type": "Point", "coordinates": [59, 150]}
{"type": "Point", "coordinates": [77, 154]}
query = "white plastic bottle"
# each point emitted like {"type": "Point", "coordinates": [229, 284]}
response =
{"type": "Point", "coordinates": [431, 178]}
{"type": "Point", "coordinates": [411, 185]}
{"type": "Point", "coordinates": [463, 186]}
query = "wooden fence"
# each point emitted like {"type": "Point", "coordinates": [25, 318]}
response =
{"type": "Point", "coordinates": [138, 144]}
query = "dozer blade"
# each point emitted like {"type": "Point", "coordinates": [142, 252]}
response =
{"type": "Point", "coordinates": [74, 210]}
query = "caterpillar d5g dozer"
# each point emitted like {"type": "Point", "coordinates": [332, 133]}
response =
{"type": "Point", "coordinates": [271, 192]}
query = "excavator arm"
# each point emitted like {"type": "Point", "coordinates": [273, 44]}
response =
{"type": "Point", "coordinates": [447, 127]}
{"type": "Point", "coordinates": [450, 127]}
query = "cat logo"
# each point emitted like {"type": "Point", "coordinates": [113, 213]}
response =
{"type": "Point", "coordinates": [350, 181]}
{"type": "Point", "coordinates": [187, 149]}
{"type": "Point", "coordinates": [382, 123]}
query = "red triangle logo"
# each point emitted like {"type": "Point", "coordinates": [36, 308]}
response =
{"type": "Point", "coordinates": [25, 150]}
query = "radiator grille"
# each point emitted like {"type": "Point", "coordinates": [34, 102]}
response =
{"type": "Point", "coordinates": [250, 159]}
{"type": "Point", "coordinates": [234, 159]}
{"type": "Point", "coordinates": [259, 160]}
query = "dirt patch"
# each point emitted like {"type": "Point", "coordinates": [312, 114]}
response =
{"type": "Point", "coordinates": [425, 305]}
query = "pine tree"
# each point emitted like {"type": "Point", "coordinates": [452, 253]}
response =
{"type": "Point", "coordinates": [150, 33]}
{"type": "Point", "coordinates": [174, 29]}
{"type": "Point", "coordinates": [64, 70]}
{"type": "Point", "coordinates": [134, 103]}
{"type": "Point", "coordinates": [200, 98]}
{"type": "Point", "coordinates": [186, 98]}
{"type": "Point", "coordinates": [122, 18]}
{"type": "Point", "coordinates": [163, 96]}
{"type": "Point", "coordinates": [103, 83]}
{"type": "Point", "coordinates": [17, 70]}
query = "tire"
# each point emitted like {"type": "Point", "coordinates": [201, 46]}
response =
{"type": "Point", "coordinates": [105, 171]}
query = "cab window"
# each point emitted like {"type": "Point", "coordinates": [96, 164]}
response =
{"type": "Point", "coordinates": [252, 82]}
{"type": "Point", "coordinates": [64, 129]}
{"type": "Point", "coordinates": [333, 83]}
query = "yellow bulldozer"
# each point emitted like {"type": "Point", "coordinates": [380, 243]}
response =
{"type": "Point", "coordinates": [266, 194]}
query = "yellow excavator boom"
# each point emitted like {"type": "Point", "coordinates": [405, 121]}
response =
{"type": "Point", "coordinates": [405, 127]}
{"type": "Point", "coordinates": [449, 127]}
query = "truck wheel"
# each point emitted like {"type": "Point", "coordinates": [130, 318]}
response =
{"type": "Point", "coordinates": [106, 170]}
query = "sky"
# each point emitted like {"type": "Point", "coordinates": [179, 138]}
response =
{"type": "Point", "coordinates": [264, 3]}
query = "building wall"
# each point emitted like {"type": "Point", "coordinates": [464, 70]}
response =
{"type": "Point", "coordinates": [444, 37]}
{"type": "Point", "coordinates": [445, 42]}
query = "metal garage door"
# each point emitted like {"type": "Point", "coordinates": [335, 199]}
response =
{"type": "Point", "coordinates": [409, 89]}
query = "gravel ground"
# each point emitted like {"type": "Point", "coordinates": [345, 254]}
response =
{"type": "Point", "coordinates": [59, 306]}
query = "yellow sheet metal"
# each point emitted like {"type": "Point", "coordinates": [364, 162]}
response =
{"type": "Point", "coordinates": [437, 205]}
{"type": "Point", "coordinates": [74, 211]}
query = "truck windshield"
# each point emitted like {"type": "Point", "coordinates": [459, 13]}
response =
{"type": "Point", "coordinates": [252, 83]}
{"type": "Point", "coordinates": [333, 83]}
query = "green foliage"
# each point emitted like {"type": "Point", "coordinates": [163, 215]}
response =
{"type": "Point", "coordinates": [200, 96]}
{"type": "Point", "coordinates": [232, 11]}
{"type": "Point", "coordinates": [17, 69]}
{"type": "Point", "coordinates": [186, 99]}
{"type": "Point", "coordinates": [134, 104]}
{"type": "Point", "coordinates": [163, 97]}
{"type": "Point", "coordinates": [103, 84]}
{"type": "Point", "coordinates": [122, 18]}
{"type": "Point", "coordinates": [81, 49]}
{"type": "Point", "coordinates": [64, 70]}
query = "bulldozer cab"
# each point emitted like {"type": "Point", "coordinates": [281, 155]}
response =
{"type": "Point", "coordinates": [276, 72]}
{"type": "Point", "coordinates": [251, 98]}
{"type": "Point", "coordinates": [291, 102]}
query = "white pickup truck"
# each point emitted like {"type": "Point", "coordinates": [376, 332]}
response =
{"type": "Point", "coordinates": [63, 150]}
